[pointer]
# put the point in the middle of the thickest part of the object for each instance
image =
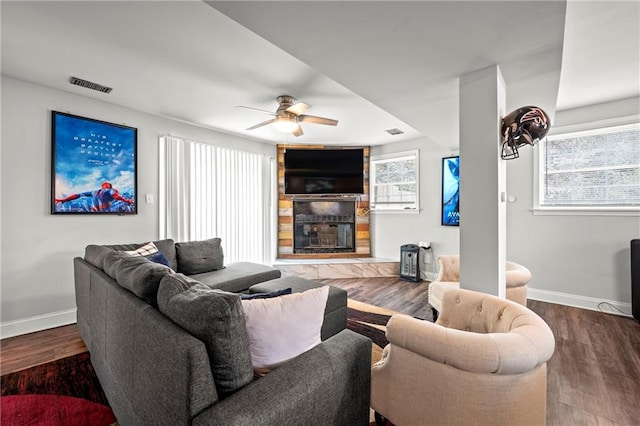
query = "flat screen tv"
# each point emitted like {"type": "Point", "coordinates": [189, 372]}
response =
{"type": "Point", "coordinates": [323, 171]}
{"type": "Point", "coordinates": [93, 166]}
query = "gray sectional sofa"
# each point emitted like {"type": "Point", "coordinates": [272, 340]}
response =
{"type": "Point", "coordinates": [155, 372]}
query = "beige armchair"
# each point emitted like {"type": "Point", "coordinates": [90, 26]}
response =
{"type": "Point", "coordinates": [517, 278]}
{"type": "Point", "coordinates": [482, 363]}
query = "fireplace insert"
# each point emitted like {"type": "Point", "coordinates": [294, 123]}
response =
{"type": "Point", "coordinates": [324, 226]}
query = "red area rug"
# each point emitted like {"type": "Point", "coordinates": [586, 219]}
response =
{"type": "Point", "coordinates": [19, 410]}
{"type": "Point", "coordinates": [63, 392]}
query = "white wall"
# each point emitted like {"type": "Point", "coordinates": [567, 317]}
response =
{"type": "Point", "coordinates": [579, 260]}
{"type": "Point", "coordinates": [391, 230]}
{"type": "Point", "coordinates": [575, 260]}
{"type": "Point", "coordinates": [37, 248]}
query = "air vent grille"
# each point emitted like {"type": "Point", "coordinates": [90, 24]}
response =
{"type": "Point", "coordinates": [394, 131]}
{"type": "Point", "coordinates": [89, 85]}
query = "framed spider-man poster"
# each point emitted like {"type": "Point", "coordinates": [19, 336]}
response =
{"type": "Point", "coordinates": [451, 191]}
{"type": "Point", "coordinates": [93, 166]}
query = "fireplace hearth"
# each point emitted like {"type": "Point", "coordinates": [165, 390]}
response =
{"type": "Point", "coordinates": [324, 226]}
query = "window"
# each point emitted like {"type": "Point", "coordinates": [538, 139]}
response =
{"type": "Point", "coordinates": [210, 191]}
{"type": "Point", "coordinates": [591, 170]}
{"type": "Point", "coordinates": [394, 182]}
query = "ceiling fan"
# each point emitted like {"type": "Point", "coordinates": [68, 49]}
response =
{"type": "Point", "coordinates": [289, 115]}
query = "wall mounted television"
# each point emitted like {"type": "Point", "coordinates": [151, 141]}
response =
{"type": "Point", "coordinates": [323, 171]}
{"type": "Point", "coordinates": [93, 166]}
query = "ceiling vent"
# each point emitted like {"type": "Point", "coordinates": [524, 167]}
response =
{"type": "Point", "coordinates": [90, 85]}
{"type": "Point", "coordinates": [394, 131]}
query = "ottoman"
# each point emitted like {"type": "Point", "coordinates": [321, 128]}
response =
{"type": "Point", "coordinates": [335, 314]}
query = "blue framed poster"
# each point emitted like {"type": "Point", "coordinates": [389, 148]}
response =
{"type": "Point", "coordinates": [93, 166]}
{"type": "Point", "coordinates": [451, 191]}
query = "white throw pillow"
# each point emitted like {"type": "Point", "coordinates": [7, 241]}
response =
{"type": "Point", "coordinates": [282, 328]}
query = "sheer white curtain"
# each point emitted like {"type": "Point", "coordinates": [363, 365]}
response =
{"type": "Point", "coordinates": [209, 191]}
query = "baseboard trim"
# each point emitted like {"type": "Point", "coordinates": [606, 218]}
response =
{"type": "Point", "coordinates": [60, 318]}
{"type": "Point", "coordinates": [584, 302]}
{"type": "Point", "coordinates": [37, 323]}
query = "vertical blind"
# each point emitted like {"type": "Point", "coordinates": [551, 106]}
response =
{"type": "Point", "coordinates": [208, 191]}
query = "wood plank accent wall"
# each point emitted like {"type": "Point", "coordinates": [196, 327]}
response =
{"type": "Point", "coordinates": [285, 214]}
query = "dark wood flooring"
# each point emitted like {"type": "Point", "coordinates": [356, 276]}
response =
{"type": "Point", "coordinates": [29, 350]}
{"type": "Point", "coordinates": [594, 374]}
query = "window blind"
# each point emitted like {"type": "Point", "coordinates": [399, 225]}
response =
{"type": "Point", "coordinates": [210, 191]}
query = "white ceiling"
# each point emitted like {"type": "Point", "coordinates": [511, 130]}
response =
{"type": "Point", "coordinates": [371, 65]}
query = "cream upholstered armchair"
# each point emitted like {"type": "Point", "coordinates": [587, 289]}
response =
{"type": "Point", "coordinates": [482, 363]}
{"type": "Point", "coordinates": [517, 278]}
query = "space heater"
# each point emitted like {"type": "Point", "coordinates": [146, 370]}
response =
{"type": "Point", "coordinates": [410, 262]}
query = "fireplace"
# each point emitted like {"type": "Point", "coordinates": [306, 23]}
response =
{"type": "Point", "coordinates": [324, 226]}
{"type": "Point", "coordinates": [352, 239]}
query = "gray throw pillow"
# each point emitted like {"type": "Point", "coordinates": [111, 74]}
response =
{"type": "Point", "coordinates": [217, 319]}
{"type": "Point", "coordinates": [95, 254]}
{"type": "Point", "coordinates": [142, 277]}
{"type": "Point", "coordinates": [197, 257]}
{"type": "Point", "coordinates": [167, 247]}
{"type": "Point", "coordinates": [112, 261]}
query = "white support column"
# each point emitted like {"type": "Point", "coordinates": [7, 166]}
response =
{"type": "Point", "coordinates": [482, 182]}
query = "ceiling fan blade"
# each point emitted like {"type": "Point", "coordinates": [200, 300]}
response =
{"type": "Point", "coordinates": [298, 132]}
{"type": "Point", "coordinates": [317, 120]}
{"type": "Point", "coordinates": [298, 108]}
{"type": "Point", "coordinates": [264, 123]}
{"type": "Point", "coordinates": [256, 109]}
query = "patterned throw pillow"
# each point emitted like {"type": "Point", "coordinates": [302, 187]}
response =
{"type": "Point", "coordinates": [145, 250]}
{"type": "Point", "coordinates": [151, 252]}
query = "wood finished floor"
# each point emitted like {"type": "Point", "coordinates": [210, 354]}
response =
{"type": "Point", "coordinates": [29, 350]}
{"type": "Point", "coordinates": [593, 376]}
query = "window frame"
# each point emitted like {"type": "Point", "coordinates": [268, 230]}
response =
{"type": "Point", "coordinates": [415, 153]}
{"type": "Point", "coordinates": [577, 210]}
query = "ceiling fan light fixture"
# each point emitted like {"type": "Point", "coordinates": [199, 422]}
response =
{"type": "Point", "coordinates": [289, 115]}
{"type": "Point", "coordinates": [285, 124]}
